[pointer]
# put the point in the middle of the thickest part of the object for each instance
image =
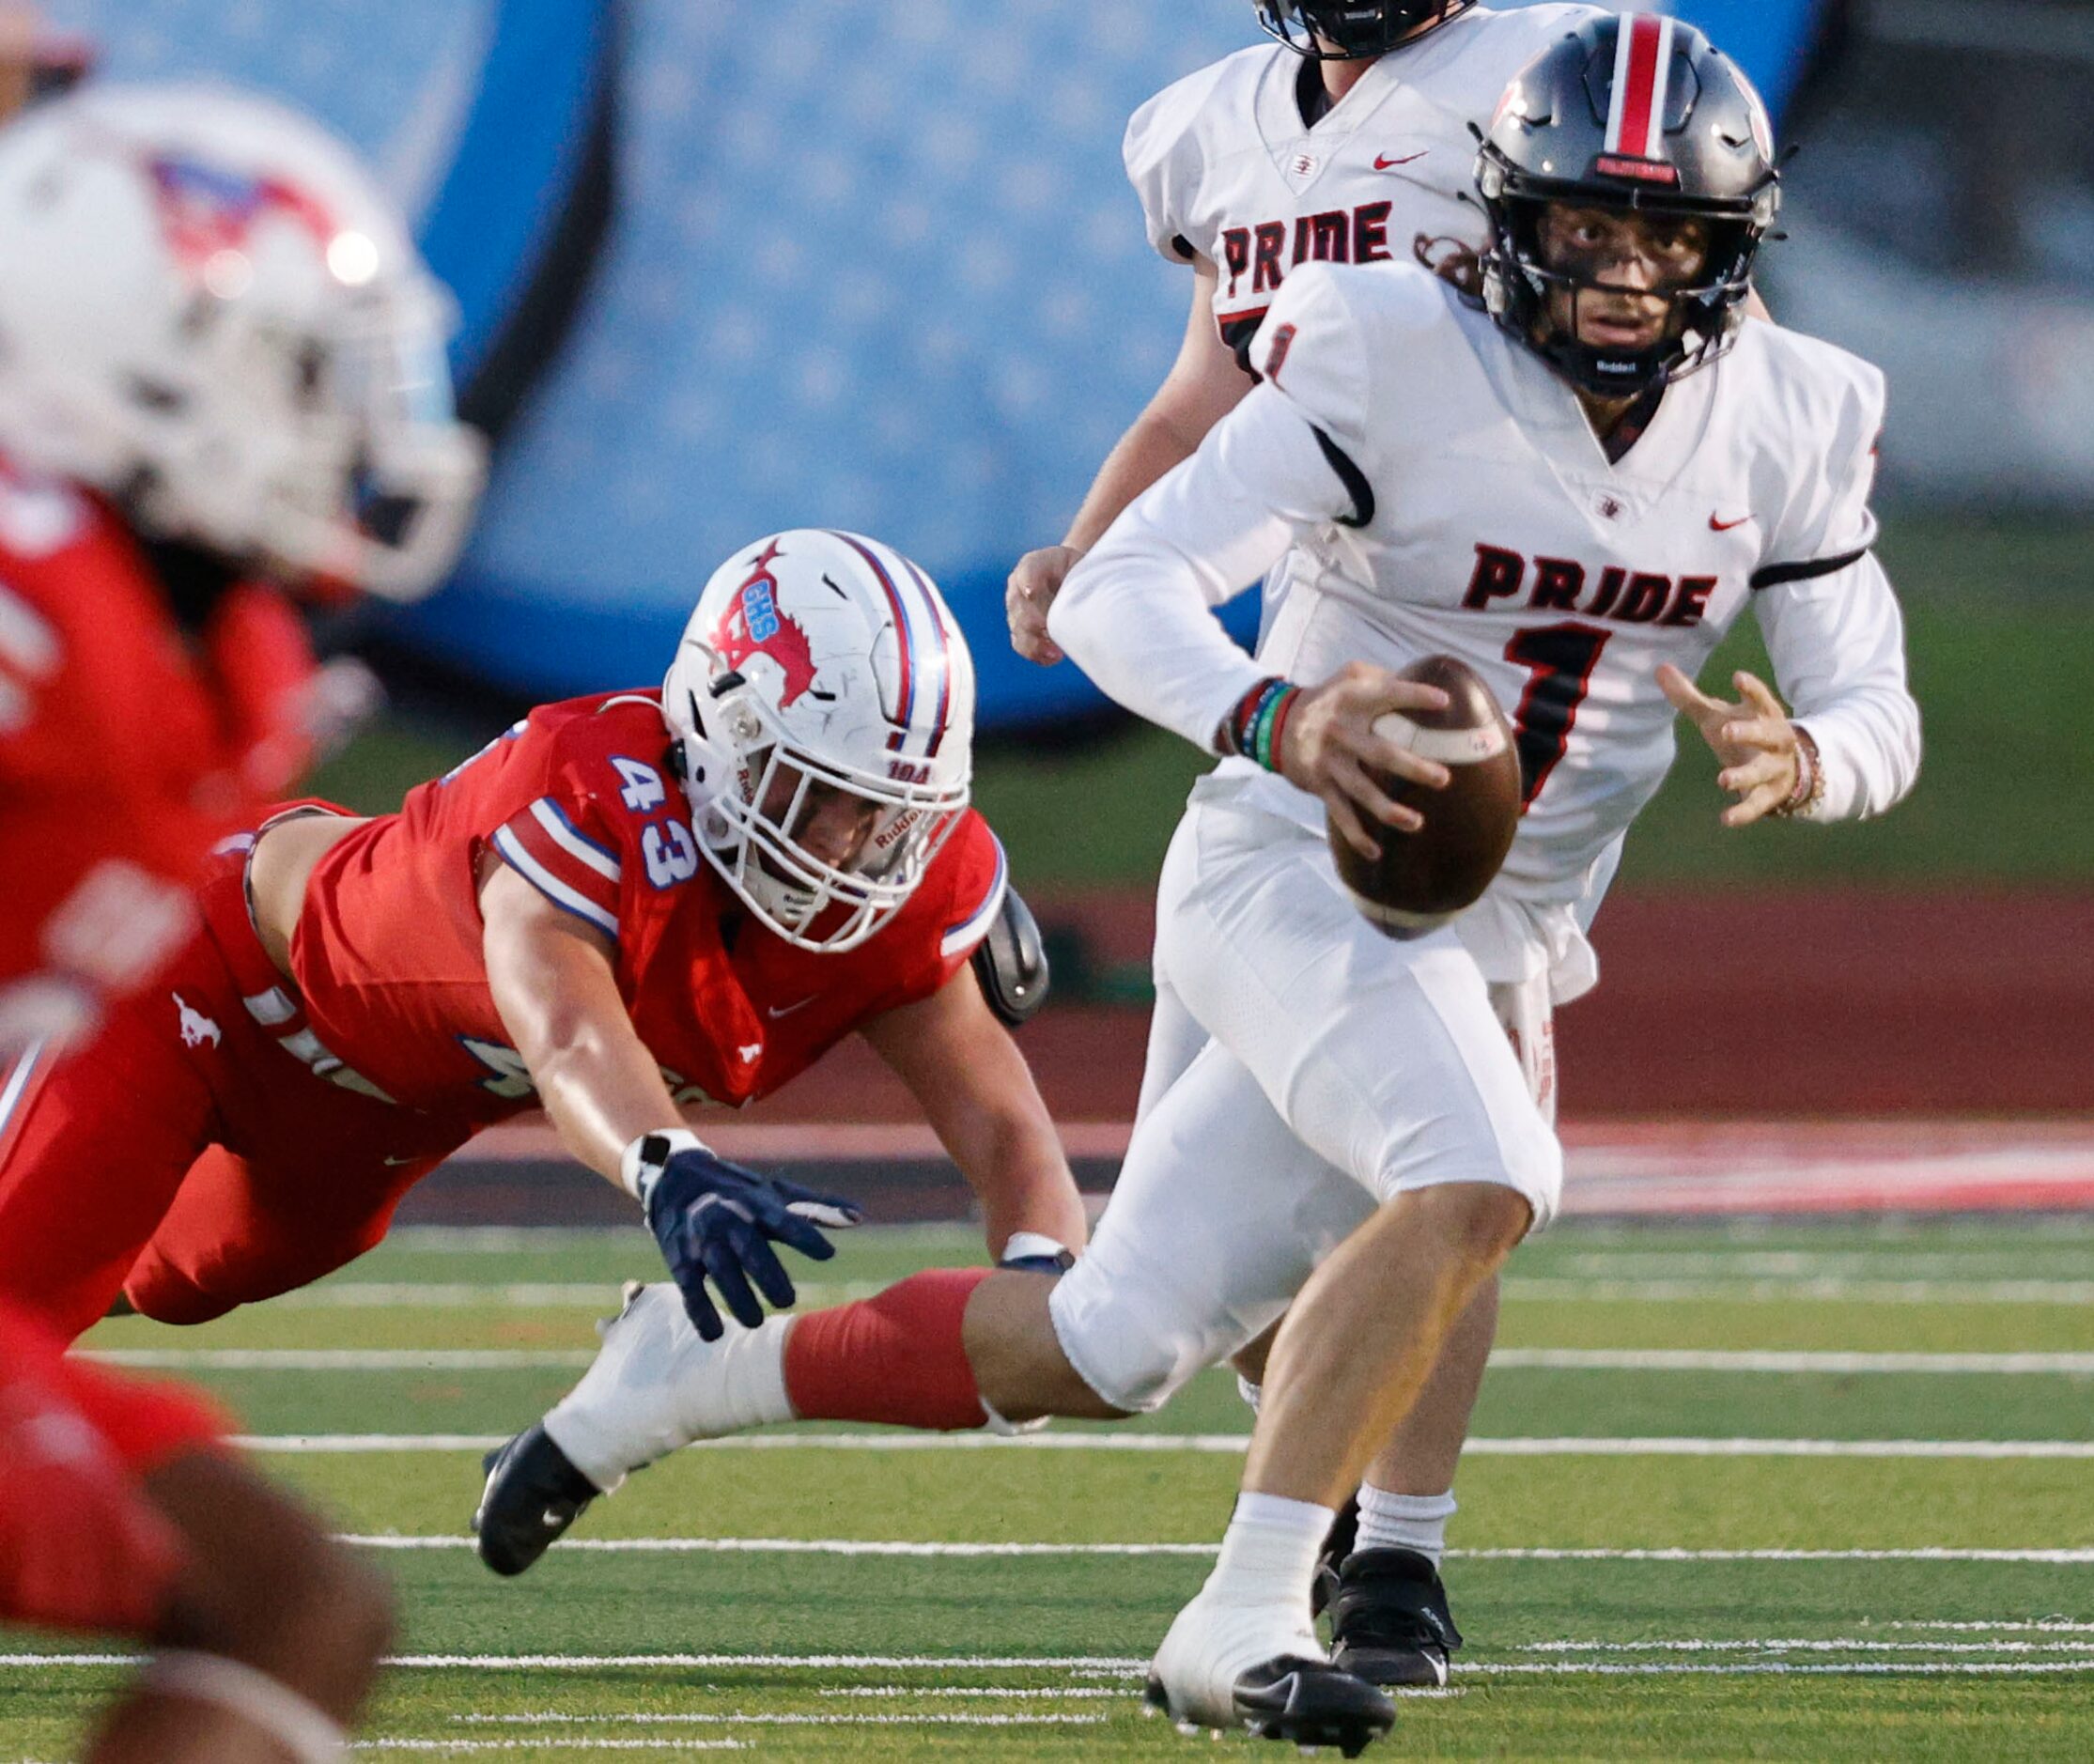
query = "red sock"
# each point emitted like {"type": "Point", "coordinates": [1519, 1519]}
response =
{"type": "Point", "coordinates": [894, 1357]}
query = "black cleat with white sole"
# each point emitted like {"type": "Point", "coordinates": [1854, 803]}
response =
{"type": "Point", "coordinates": [1389, 1622]}
{"type": "Point", "coordinates": [533, 1493]}
{"type": "Point", "coordinates": [1312, 1704]}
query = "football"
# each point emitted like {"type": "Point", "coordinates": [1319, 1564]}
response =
{"type": "Point", "coordinates": [1423, 879]}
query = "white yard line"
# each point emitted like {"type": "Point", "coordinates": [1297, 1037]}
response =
{"type": "Point", "coordinates": [452, 1295]}
{"type": "Point", "coordinates": [1769, 1668]}
{"type": "Point", "coordinates": [1785, 1361]}
{"type": "Point", "coordinates": [652, 1718]}
{"type": "Point", "coordinates": [907, 1547]}
{"type": "Point", "coordinates": [1842, 1645]}
{"type": "Point", "coordinates": [1120, 1667]}
{"type": "Point", "coordinates": [1836, 1362]}
{"type": "Point", "coordinates": [798, 1546]}
{"type": "Point", "coordinates": [1827, 1289]}
{"type": "Point", "coordinates": [603, 1295]}
{"type": "Point", "coordinates": [972, 1689]}
{"type": "Point", "coordinates": [1230, 1445]}
{"type": "Point", "coordinates": [600, 1296]}
{"type": "Point", "coordinates": [466, 1748]}
{"type": "Point", "coordinates": [1093, 1664]}
{"type": "Point", "coordinates": [1888, 1260]}
{"type": "Point", "coordinates": [341, 1360]}
{"type": "Point", "coordinates": [1932, 1553]}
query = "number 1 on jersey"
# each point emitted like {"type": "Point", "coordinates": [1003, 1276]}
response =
{"type": "Point", "coordinates": [1559, 659]}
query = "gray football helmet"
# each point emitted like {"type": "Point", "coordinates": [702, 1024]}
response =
{"type": "Point", "coordinates": [1637, 112]}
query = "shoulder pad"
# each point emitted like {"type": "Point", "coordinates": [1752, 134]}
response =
{"type": "Point", "coordinates": [1011, 963]}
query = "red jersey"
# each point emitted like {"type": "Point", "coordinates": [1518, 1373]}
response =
{"type": "Point", "coordinates": [579, 800]}
{"type": "Point", "coordinates": [79, 1546]}
{"type": "Point", "coordinates": [125, 750]}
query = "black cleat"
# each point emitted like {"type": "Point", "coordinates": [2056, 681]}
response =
{"type": "Point", "coordinates": [532, 1496]}
{"type": "Point", "coordinates": [1338, 1545]}
{"type": "Point", "coordinates": [1312, 1704]}
{"type": "Point", "coordinates": [1389, 1623]}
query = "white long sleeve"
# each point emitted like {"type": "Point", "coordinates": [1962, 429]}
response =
{"type": "Point", "coordinates": [1136, 615]}
{"type": "Point", "coordinates": [1838, 644]}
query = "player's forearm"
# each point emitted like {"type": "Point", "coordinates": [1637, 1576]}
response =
{"type": "Point", "coordinates": [557, 994]}
{"type": "Point", "coordinates": [1150, 447]}
{"type": "Point", "coordinates": [1136, 615]}
{"type": "Point", "coordinates": [1015, 1164]}
{"type": "Point", "coordinates": [601, 1092]}
{"type": "Point", "coordinates": [1869, 752]}
{"type": "Point", "coordinates": [1839, 651]}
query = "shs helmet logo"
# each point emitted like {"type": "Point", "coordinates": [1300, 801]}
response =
{"type": "Point", "coordinates": [754, 626]}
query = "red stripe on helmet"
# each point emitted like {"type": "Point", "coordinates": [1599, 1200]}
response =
{"type": "Point", "coordinates": [1640, 92]}
{"type": "Point", "coordinates": [945, 664]}
{"type": "Point", "coordinates": [907, 628]}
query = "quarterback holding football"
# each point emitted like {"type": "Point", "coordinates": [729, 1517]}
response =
{"type": "Point", "coordinates": [1347, 139]}
{"type": "Point", "coordinates": [1571, 461]}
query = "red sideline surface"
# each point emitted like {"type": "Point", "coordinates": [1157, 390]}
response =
{"type": "Point", "coordinates": [1776, 1003]}
{"type": "Point", "coordinates": [1782, 1051]}
{"type": "Point", "coordinates": [1616, 1168]}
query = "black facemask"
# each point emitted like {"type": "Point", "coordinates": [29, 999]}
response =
{"type": "Point", "coordinates": [1350, 31]}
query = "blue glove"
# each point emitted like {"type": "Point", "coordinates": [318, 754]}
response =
{"type": "Point", "coordinates": [715, 1221]}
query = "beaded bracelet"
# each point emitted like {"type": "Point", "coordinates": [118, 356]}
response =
{"type": "Point", "coordinates": [1811, 779]}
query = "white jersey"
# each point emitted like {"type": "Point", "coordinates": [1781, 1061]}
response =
{"type": "Point", "coordinates": [1435, 486]}
{"type": "Point", "coordinates": [1226, 171]}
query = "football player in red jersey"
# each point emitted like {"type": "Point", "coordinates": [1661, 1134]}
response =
{"type": "Point", "coordinates": [210, 326]}
{"type": "Point", "coordinates": [125, 1514]}
{"type": "Point", "coordinates": [627, 904]}
{"type": "Point", "coordinates": [221, 383]}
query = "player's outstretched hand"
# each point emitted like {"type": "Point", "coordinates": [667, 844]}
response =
{"type": "Point", "coordinates": [1328, 748]}
{"type": "Point", "coordinates": [1032, 589]}
{"type": "Point", "coordinates": [1753, 740]}
{"type": "Point", "coordinates": [717, 1221]}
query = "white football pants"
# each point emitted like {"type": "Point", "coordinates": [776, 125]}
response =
{"type": "Point", "coordinates": [1303, 1069]}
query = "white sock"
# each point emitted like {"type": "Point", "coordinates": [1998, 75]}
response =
{"type": "Point", "coordinates": [1269, 1551]}
{"type": "Point", "coordinates": [1404, 1522]}
{"type": "Point", "coordinates": [656, 1387]}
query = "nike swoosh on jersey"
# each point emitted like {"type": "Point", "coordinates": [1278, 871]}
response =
{"type": "Point", "coordinates": [777, 1011]}
{"type": "Point", "coordinates": [1718, 525]}
{"type": "Point", "coordinates": [1384, 164]}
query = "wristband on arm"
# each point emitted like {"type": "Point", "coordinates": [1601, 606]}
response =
{"type": "Point", "coordinates": [1810, 779]}
{"type": "Point", "coordinates": [1254, 727]}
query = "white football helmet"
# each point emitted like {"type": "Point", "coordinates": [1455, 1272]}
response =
{"type": "Point", "coordinates": [823, 700]}
{"type": "Point", "coordinates": [211, 312]}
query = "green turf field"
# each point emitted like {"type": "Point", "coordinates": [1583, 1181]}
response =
{"type": "Point", "coordinates": [1652, 1567]}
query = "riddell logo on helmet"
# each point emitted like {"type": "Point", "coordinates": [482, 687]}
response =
{"type": "Point", "coordinates": [1642, 171]}
{"type": "Point", "coordinates": [754, 626]}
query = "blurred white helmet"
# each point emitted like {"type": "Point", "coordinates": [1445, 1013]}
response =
{"type": "Point", "coordinates": [211, 312]}
{"type": "Point", "coordinates": [823, 698]}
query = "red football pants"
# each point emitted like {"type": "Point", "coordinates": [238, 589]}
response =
{"type": "Point", "coordinates": [81, 1547]}
{"type": "Point", "coordinates": [187, 1159]}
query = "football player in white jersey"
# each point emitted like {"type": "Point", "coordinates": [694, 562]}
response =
{"type": "Point", "coordinates": [1346, 140]}
{"type": "Point", "coordinates": [1573, 467]}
